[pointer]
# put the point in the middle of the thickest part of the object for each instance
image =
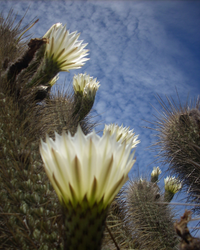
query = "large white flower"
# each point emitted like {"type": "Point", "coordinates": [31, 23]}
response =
{"type": "Point", "coordinates": [64, 48]}
{"type": "Point", "coordinates": [122, 134]}
{"type": "Point", "coordinates": [86, 166]}
{"type": "Point", "coordinates": [172, 184]}
{"type": "Point", "coordinates": [85, 84]}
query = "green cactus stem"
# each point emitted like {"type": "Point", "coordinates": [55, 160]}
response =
{"type": "Point", "coordinates": [83, 226]}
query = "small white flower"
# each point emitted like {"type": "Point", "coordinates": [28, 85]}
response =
{"type": "Point", "coordinates": [156, 171]}
{"type": "Point", "coordinates": [122, 134]}
{"type": "Point", "coordinates": [155, 174]}
{"type": "Point", "coordinates": [86, 166]}
{"type": "Point", "coordinates": [172, 184]}
{"type": "Point", "coordinates": [85, 84]}
{"type": "Point", "coordinates": [64, 49]}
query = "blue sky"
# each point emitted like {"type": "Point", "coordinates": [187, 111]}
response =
{"type": "Point", "coordinates": [137, 49]}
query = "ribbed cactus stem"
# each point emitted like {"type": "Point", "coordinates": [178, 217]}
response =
{"type": "Point", "coordinates": [86, 106]}
{"type": "Point", "coordinates": [83, 105]}
{"type": "Point", "coordinates": [77, 100]}
{"type": "Point", "coordinates": [83, 226]}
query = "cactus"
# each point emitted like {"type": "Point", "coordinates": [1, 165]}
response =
{"type": "Point", "coordinates": [30, 214]}
{"type": "Point", "coordinates": [139, 219]}
{"type": "Point", "coordinates": [179, 145]}
{"type": "Point", "coordinates": [150, 222]}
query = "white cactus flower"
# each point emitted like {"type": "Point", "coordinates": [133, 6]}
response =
{"type": "Point", "coordinates": [155, 174]}
{"type": "Point", "coordinates": [172, 184]}
{"type": "Point", "coordinates": [86, 166]}
{"type": "Point", "coordinates": [64, 49]}
{"type": "Point", "coordinates": [156, 171]}
{"type": "Point", "coordinates": [85, 84]}
{"type": "Point", "coordinates": [122, 134]}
